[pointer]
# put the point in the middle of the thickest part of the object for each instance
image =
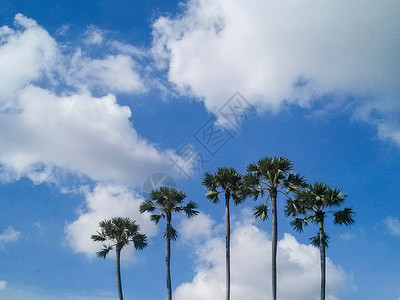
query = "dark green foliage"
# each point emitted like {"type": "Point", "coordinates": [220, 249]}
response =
{"type": "Point", "coordinates": [225, 180]}
{"type": "Point", "coordinates": [167, 200]}
{"type": "Point", "coordinates": [119, 232]}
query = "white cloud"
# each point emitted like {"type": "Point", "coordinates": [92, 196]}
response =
{"type": "Point", "coordinates": [105, 202]}
{"type": "Point", "coordinates": [25, 55]}
{"type": "Point", "coordinates": [9, 235]}
{"type": "Point", "coordinates": [3, 285]}
{"type": "Point", "coordinates": [94, 36]}
{"type": "Point", "coordinates": [114, 73]}
{"type": "Point", "coordinates": [275, 53]}
{"type": "Point", "coordinates": [195, 229]}
{"type": "Point", "coordinates": [392, 225]}
{"type": "Point", "coordinates": [45, 134]}
{"type": "Point", "coordinates": [298, 269]}
{"type": "Point", "coordinates": [80, 133]}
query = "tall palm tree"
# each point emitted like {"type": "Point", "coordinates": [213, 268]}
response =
{"type": "Point", "coordinates": [313, 203]}
{"type": "Point", "coordinates": [167, 200]}
{"type": "Point", "coordinates": [273, 175]}
{"type": "Point", "coordinates": [118, 232]}
{"type": "Point", "coordinates": [229, 182]}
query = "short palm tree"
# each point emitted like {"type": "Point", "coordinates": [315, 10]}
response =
{"type": "Point", "coordinates": [230, 183]}
{"type": "Point", "coordinates": [313, 204]}
{"type": "Point", "coordinates": [118, 232]}
{"type": "Point", "coordinates": [167, 200]}
{"type": "Point", "coordinates": [273, 175]}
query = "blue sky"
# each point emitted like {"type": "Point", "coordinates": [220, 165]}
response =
{"type": "Point", "coordinates": [95, 98]}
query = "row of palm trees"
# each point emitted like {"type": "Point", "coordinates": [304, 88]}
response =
{"type": "Point", "coordinates": [268, 177]}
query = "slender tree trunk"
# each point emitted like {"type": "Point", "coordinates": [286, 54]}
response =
{"type": "Point", "coordinates": [118, 271]}
{"type": "Point", "coordinates": [323, 259]}
{"type": "Point", "coordinates": [168, 256]}
{"type": "Point", "coordinates": [228, 247]}
{"type": "Point", "coordinates": [273, 194]}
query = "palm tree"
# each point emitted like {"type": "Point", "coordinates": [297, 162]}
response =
{"type": "Point", "coordinates": [313, 203]}
{"type": "Point", "coordinates": [119, 232]}
{"type": "Point", "coordinates": [274, 175]}
{"type": "Point", "coordinates": [229, 182]}
{"type": "Point", "coordinates": [167, 200]}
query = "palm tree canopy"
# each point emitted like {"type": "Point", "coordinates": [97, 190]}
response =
{"type": "Point", "coordinates": [120, 232]}
{"type": "Point", "coordinates": [226, 180]}
{"type": "Point", "coordinates": [312, 203]}
{"type": "Point", "coordinates": [272, 174]}
{"type": "Point", "coordinates": [166, 200]}
{"type": "Point", "coordinates": [271, 170]}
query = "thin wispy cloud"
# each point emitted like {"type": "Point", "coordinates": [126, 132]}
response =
{"type": "Point", "coordinates": [392, 225]}
{"type": "Point", "coordinates": [9, 235]}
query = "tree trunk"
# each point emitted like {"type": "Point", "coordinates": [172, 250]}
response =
{"type": "Point", "coordinates": [323, 259]}
{"type": "Point", "coordinates": [168, 256]}
{"type": "Point", "coordinates": [228, 246]}
{"type": "Point", "coordinates": [118, 271]}
{"type": "Point", "coordinates": [273, 194]}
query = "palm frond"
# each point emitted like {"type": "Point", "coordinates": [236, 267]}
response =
{"type": "Point", "coordinates": [315, 240]}
{"type": "Point", "coordinates": [298, 224]}
{"type": "Point", "coordinates": [261, 211]}
{"type": "Point", "coordinates": [190, 209]}
{"type": "Point", "coordinates": [99, 237]}
{"type": "Point", "coordinates": [104, 251]}
{"type": "Point", "coordinates": [334, 197]}
{"type": "Point", "coordinates": [344, 217]}
{"type": "Point", "coordinates": [171, 234]}
{"type": "Point", "coordinates": [294, 182]}
{"type": "Point", "coordinates": [213, 196]}
{"type": "Point", "coordinates": [156, 218]}
{"type": "Point", "coordinates": [147, 206]}
{"type": "Point", "coordinates": [252, 168]}
{"type": "Point", "coordinates": [209, 181]}
{"type": "Point", "coordinates": [294, 208]}
{"type": "Point", "coordinates": [139, 241]}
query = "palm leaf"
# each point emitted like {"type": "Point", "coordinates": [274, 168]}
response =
{"type": "Point", "coordinates": [147, 206]}
{"type": "Point", "coordinates": [104, 251]}
{"type": "Point", "coordinates": [344, 217]}
{"type": "Point", "coordinates": [299, 223]}
{"type": "Point", "coordinates": [261, 212]}
{"type": "Point", "coordinates": [190, 209]}
{"type": "Point", "coordinates": [139, 241]}
{"type": "Point", "coordinates": [156, 218]}
{"type": "Point", "coordinates": [171, 234]}
{"type": "Point", "coordinates": [315, 241]}
{"type": "Point", "coordinates": [213, 196]}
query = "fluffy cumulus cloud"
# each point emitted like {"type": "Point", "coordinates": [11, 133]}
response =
{"type": "Point", "coordinates": [9, 235]}
{"type": "Point", "coordinates": [298, 268]}
{"type": "Point", "coordinates": [392, 225]}
{"type": "Point", "coordinates": [80, 133]}
{"type": "Point", "coordinates": [276, 53]}
{"type": "Point", "coordinates": [50, 122]}
{"type": "Point", "coordinates": [105, 202]}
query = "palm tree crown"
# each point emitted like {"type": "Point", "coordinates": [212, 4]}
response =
{"type": "Point", "coordinates": [313, 203]}
{"type": "Point", "coordinates": [272, 174]}
{"type": "Point", "coordinates": [120, 232]}
{"type": "Point", "coordinates": [225, 180]}
{"type": "Point", "coordinates": [167, 200]}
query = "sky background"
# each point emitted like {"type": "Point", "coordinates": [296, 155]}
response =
{"type": "Point", "coordinates": [97, 97]}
